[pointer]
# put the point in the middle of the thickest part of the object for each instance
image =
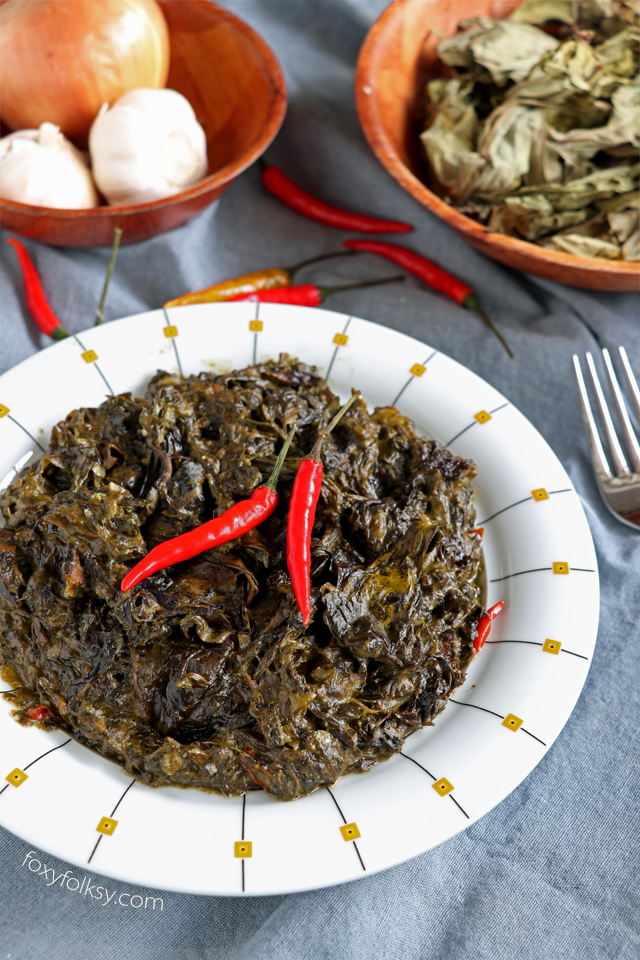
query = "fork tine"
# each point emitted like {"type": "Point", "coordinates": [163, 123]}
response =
{"type": "Point", "coordinates": [619, 462]}
{"type": "Point", "coordinates": [634, 392]}
{"type": "Point", "coordinates": [633, 447]}
{"type": "Point", "coordinates": [598, 458]}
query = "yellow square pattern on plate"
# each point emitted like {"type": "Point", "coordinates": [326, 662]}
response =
{"type": "Point", "coordinates": [17, 777]}
{"type": "Point", "coordinates": [349, 831]}
{"type": "Point", "coordinates": [417, 370]}
{"type": "Point", "coordinates": [171, 331]}
{"type": "Point", "coordinates": [243, 848]}
{"type": "Point", "coordinates": [511, 722]}
{"type": "Point", "coordinates": [482, 416]}
{"type": "Point", "coordinates": [255, 325]}
{"type": "Point", "coordinates": [560, 566]}
{"type": "Point", "coordinates": [340, 339]}
{"type": "Point", "coordinates": [89, 356]}
{"type": "Point", "coordinates": [551, 646]}
{"type": "Point", "coordinates": [442, 786]}
{"type": "Point", "coordinates": [3, 410]}
{"type": "Point", "coordinates": [107, 826]}
{"type": "Point", "coordinates": [540, 494]}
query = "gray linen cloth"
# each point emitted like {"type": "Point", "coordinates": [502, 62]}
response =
{"type": "Point", "coordinates": [552, 872]}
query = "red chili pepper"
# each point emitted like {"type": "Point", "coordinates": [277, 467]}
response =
{"type": "Point", "coordinates": [238, 519]}
{"type": "Point", "coordinates": [484, 625]}
{"type": "Point", "coordinates": [306, 294]}
{"type": "Point", "coordinates": [279, 184]}
{"type": "Point", "coordinates": [37, 303]}
{"type": "Point", "coordinates": [38, 714]}
{"type": "Point", "coordinates": [302, 513]}
{"type": "Point", "coordinates": [431, 274]}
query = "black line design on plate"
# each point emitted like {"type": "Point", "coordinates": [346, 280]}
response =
{"type": "Point", "coordinates": [173, 340]}
{"type": "Point", "coordinates": [517, 504]}
{"type": "Point", "coordinates": [536, 643]}
{"type": "Point", "coordinates": [46, 754]}
{"type": "Point", "coordinates": [407, 757]}
{"type": "Point", "coordinates": [244, 805]}
{"type": "Point", "coordinates": [335, 352]}
{"type": "Point", "coordinates": [94, 363]}
{"type": "Point", "coordinates": [344, 820]}
{"type": "Point", "coordinates": [519, 573]}
{"type": "Point", "coordinates": [528, 732]}
{"type": "Point", "coordinates": [412, 377]}
{"type": "Point", "coordinates": [24, 430]}
{"type": "Point", "coordinates": [112, 813]}
{"type": "Point", "coordinates": [474, 422]}
{"type": "Point", "coordinates": [461, 703]}
{"type": "Point", "coordinates": [255, 356]}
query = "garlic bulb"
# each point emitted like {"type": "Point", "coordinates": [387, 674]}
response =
{"type": "Point", "coordinates": [42, 168]}
{"type": "Point", "coordinates": [149, 145]}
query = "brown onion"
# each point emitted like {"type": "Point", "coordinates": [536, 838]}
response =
{"type": "Point", "coordinates": [60, 60]}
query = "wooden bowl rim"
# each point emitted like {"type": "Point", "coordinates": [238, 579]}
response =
{"type": "Point", "coordinates": [212, 181]}
{"type": "Point", "coordinates": [370, 118]}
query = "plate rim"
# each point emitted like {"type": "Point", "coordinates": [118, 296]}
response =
{"type": "Point", "coordinates": [107, 330]}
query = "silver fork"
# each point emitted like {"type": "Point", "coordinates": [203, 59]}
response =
{"type": "Point", "coordinates": [620, 488]}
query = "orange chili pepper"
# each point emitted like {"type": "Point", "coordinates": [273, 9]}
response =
{"type": "Point", "coordinates": [249, 283]}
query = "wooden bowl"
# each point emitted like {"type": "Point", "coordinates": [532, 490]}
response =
{"type": "Point", "coordinates": [396, 60]}
{"type": "Point", "coordinates": [233, 82]}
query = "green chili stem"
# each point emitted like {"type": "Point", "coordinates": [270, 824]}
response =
{"type": "Point", "coordinates": [471, 302]}
{"type": "Point", "coordinates": [324, 433]}
{"type": "Point", "coordinates": [324, 256]}
{"type": "Point", "coordinates": [327, 291]}
{"type": "Point", "coordinates": [273, 479]}
{"type": "Point", "coordinates": [117, 233]}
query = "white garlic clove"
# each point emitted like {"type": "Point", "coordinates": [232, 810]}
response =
{"type": "Point", "coordinates": [42, 168]}
{"type": "Point", "coordinates": [148, 146]}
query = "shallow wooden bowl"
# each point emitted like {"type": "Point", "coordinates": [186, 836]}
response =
{"type": "Point", "coordinates": [233, 82]}
{"type": "Point", "coordinates": [396, 60]}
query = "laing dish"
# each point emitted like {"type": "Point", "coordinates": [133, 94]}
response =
{"type": "Point", "coordinates": [204, 675]}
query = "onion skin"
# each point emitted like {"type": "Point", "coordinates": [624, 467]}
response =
{"type": "Point", "coordinates": [60, 60]}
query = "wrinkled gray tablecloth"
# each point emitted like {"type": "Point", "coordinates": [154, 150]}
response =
{"type": "Point", "coordinates": [552, 873]}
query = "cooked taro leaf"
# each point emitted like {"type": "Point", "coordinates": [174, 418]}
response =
{"type": "Point", "coordinates": [204, 675]}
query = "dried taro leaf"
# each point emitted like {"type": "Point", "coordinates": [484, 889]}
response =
{"type": "Point", "coordinates": [450, 142]}
{"type": "Point", "coordinates": [526, 128]}
{"type": "Point", "coordinates": [587, 246]}
{"type": "Point", "coordinates": [539, 11]}
{"type": "Point", "coordinates": [599, 185]}
{"type": "Point", "coordinates": [533, 217]}
{"type": "Point", "coordinates": [506, 144]}
{"type": "Point", "coordinates": [631, 247]}
{"type": "Point", "coordinates": [510, 50]}
{"type": "Point", "coordinates": [623, 223]}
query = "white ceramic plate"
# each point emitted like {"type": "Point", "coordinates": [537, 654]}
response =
{"type": "Point", "coordinates": [518, 694]}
